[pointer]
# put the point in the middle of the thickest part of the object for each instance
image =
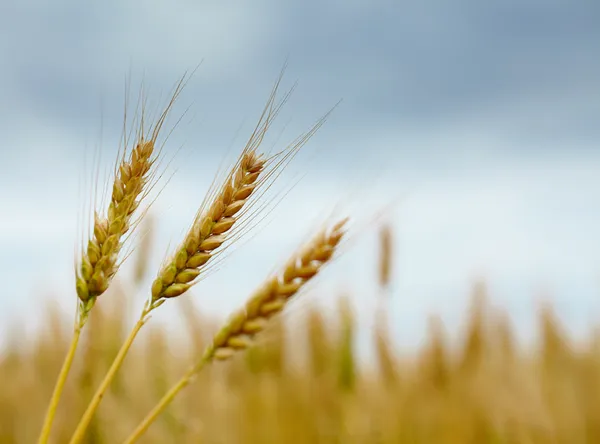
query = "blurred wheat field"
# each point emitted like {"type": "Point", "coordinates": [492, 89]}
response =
{"type": "Point", "coordinates": [487, 390]}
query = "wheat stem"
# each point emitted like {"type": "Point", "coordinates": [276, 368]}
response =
{"type": "Point", "coordinates": [168, 398]}
{"type": "Point", "coordinates": [116, 365]}
{"type": "Point", "coordinates": [58, 389]}
{"type": "Point", "coordinates": [82, 317]}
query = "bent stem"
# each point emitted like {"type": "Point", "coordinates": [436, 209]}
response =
{"type": "Point", "coordinates": [187, 378]}
{"type": "Point", "coordinates": [110, 375]}
{"type": "Point", "coordinates": [64, 372]}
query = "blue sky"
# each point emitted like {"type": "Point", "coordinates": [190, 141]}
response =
{"type": "Point", "coordinates": [482, 117]}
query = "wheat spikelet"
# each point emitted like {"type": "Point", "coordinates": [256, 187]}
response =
{"type": "Point", "coordinates": [275, 293]}
{"type": "Point", "coordinates": [133, 176]}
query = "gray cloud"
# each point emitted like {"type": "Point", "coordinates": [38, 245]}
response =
{"type": "Point", "coordinates": [394, 63]}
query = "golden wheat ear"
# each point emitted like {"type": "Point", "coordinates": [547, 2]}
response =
{"type": "Point", "coordinates": [266, 302]}
{"type": "Point", "coordinates": [228, 209]}
{"type": "Point", "coordinates": [133, 179]}
{"type": "Point", "coordinates": [211, 228]}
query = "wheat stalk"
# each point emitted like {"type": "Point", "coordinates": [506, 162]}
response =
{"type": "Point", "coordinates": [221, 217]}
{"type": "Point", "coordinates": [270, 299]}
{"type": "Point", "coordinates": [99, 259]}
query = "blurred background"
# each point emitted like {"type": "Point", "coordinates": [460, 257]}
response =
{"type": "Point", "coordinates": [477, 120]}
{"type": "Point", "coordinates": [469, 128]}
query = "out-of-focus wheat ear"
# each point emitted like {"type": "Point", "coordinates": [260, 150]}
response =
{"type": "Point", "coordinates": [269, 300]}
{"type": "Point", "coordinates": [266, 356]}
{"type": "Point", "coordinates": [386, 253]}
{"type": "Point", "coordinates": [386, 358]}
{"type": "Point", "coordinates": [507, 349]}
{"type": "Point", "coordinates": [476, 336]}
{"type": "Point", "coordinates": [383, 340]}
{"type": "Point", "coordinates": [346, 358]}
{"type": "Point", "coordinates": [434, 362]}
{"type": "Point", "coordinates": [319, 343]}
{"type": "Point", "coordinates": [554, 342]}
{"type": "Point", "coordinates": [273, 346]}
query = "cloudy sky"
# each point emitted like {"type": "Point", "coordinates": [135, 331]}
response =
{"type": "Point", "coordinates": [479, 119]}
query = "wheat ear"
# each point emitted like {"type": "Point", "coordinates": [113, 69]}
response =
{"type": "Point", "coordinates": [211, 229]}
{"type": "Point", "coordinates": [269, 300]}
{"type": "Point", "coordinates": [99, 260]}
{"type": "Point", "coordinates": [217, 221]}
{"type": "Point", "coordinates": [133, 175]}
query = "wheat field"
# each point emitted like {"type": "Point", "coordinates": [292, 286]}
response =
{"type": "Point", "coordinates": [257, 377]}
{"type": "Point", "coordinates": [487, 390]}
